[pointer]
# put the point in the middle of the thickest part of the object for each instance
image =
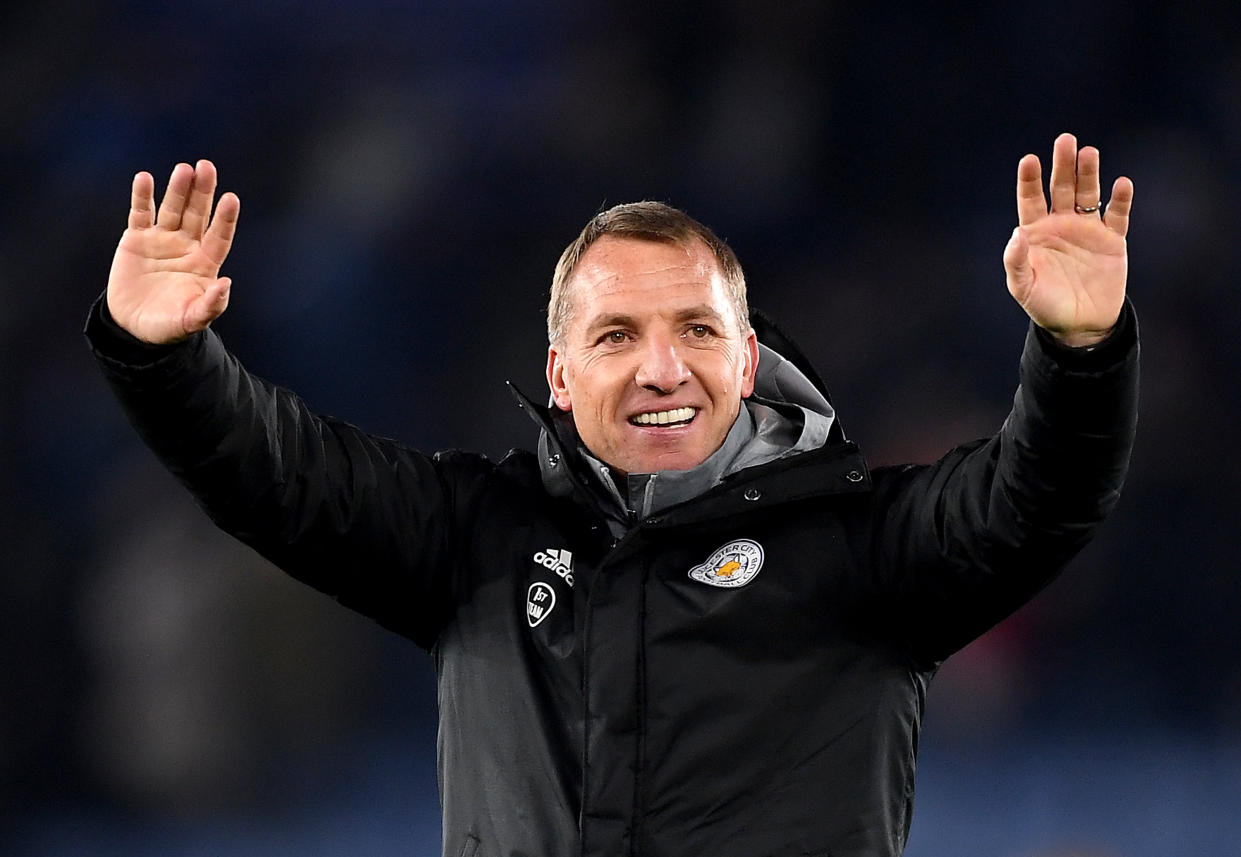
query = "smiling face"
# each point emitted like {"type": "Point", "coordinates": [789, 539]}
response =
{"type": "Point", "coordinates": [652, 364]}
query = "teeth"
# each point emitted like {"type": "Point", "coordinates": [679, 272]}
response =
{"type": "Point", "coordinates": [661, 418]}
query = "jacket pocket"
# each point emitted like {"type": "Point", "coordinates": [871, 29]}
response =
{"type": "Point", "coordinates": [470, 848]}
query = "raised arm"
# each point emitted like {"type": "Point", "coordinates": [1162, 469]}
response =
{"type": "Point", "coordinates": [165, 282]}
{"type": "Point", "coordinates": [363, 518]}
{"type": "Point", "coordinates": [965, 541]}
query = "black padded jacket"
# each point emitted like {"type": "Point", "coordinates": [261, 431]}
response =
{"type": "Point", "coordinates": [740, 675]}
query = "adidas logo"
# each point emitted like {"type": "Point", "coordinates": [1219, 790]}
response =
{"type": "Point", "coordinates": [559, 561]}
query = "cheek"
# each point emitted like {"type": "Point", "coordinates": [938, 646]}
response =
{"type": "Point", "coordinates": [743, 374]}
{"type": "Point", "coordinates": [731, 372]}
{"type": "Point", "coordinates": [593, 381]}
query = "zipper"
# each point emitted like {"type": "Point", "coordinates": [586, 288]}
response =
{"type": "Point", "coordinates": [639, 769]}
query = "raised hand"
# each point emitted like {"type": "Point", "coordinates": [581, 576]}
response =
{"type": "Point", "coordinates": [1066, 264]}
{"type": "Point", "coordinates": [165, 283]}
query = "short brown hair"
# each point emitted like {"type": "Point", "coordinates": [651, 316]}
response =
{"type": "Point", "coordinates": [649, 221]}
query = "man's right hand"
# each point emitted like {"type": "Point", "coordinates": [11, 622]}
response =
{"type": "Point", "coordinates": [165, 283]}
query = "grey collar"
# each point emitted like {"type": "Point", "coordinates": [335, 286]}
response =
{"type": "Point", "coordinates": [647, 493]}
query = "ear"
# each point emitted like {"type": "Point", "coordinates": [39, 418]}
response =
{"type": "Point", "coordinates": [556, 381]}
{"type": "Point", "coordinates": [750, 370]}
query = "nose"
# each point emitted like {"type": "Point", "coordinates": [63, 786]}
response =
{"type": "Point", "coordinates": [661, 368]}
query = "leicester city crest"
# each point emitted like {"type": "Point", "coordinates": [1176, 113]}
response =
{"type": "Point", "coordinates": [735, 564]}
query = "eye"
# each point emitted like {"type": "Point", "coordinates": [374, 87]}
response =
{"type": "Point", "coordinates": [699, 331]}
{"type": "Point", "coordinates": [613, 337]}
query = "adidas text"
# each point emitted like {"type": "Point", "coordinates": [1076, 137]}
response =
{"type": "Point", "coordinates": [559, 561]}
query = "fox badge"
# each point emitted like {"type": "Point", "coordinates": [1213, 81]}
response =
{"type": "Point", "coordinates": [732, 565]}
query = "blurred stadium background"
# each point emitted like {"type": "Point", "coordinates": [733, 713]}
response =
{"type": "Point", "coordinates": [409, 173]}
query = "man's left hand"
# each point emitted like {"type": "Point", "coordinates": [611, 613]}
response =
{"type": "Point", "coordinates": [1067, 262]}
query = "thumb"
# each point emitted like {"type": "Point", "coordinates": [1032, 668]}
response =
{"type": "Point", "coordinates": [209, 306]}
{"type": "Point", "coordinates": [1020, 275]}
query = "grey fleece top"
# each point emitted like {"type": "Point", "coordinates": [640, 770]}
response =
{"type": "Point", "coordinates": [785, 416]}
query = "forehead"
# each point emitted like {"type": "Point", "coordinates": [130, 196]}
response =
{"type": "Point", "coordinates": [652, 273]}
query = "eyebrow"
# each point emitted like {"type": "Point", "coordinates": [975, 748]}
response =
{"type": "Point", "coordinates": [700, 312]}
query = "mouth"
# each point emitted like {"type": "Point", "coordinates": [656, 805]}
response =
{"type": "Point", "coordinates": [670, 418]}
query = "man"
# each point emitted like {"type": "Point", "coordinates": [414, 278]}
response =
{"type": "Point", "coordinates": [695, 623]}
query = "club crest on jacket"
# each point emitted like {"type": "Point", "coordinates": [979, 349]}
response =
{"type": "Point", "coordinates": [732, 565]}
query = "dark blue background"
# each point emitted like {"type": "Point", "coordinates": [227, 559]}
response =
{"type": "Point", "coordinates": [409, 173]}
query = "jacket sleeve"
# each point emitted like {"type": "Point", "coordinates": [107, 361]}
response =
{"type": "Point", "coordinates": [964, 542]}
{"type": "Point", "coordinates": [364, 519]}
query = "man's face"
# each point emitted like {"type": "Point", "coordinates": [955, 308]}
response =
{"type": "Point", "coordinates": [652, 364]}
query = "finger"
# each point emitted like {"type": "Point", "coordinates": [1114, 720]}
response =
{"type": "Point", "coordinates": [142, 202]}
{"type": "Point", "coordinates": [1086, 195]}
{"type": "Point", "coordinates": [1031, 203]}
{"type": "Point", "coordinates": [219, 236]}
{"type": "Point", "coordinates": [1063, 174]}
{"type": "Point", "coordinates": [198, 205]}
{"type": "Point", "coordinates": [1117, 215]}
{"type": "Point", "coordinates": [173, 203]}
{"type": "Point", "coordinates": [209, 306]}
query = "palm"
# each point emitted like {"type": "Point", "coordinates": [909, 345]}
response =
{"type": "Point", "coordinates": [1079, 268]}
{"type": "Point", "coordinates": [164, 284]}
{"type": "Point", "coordinates": [1067, 268]}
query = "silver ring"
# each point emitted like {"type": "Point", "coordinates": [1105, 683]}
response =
{"type": "Point", "coordinates": [1085, 209]}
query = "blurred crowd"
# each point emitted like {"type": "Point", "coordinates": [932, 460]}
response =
{"type": "Point", "coordinates": [409, 173]}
